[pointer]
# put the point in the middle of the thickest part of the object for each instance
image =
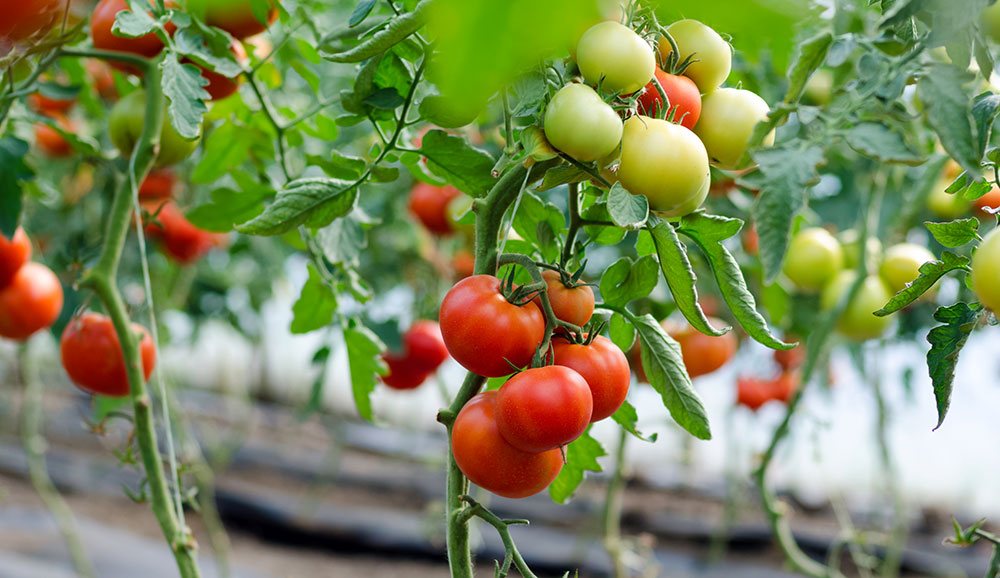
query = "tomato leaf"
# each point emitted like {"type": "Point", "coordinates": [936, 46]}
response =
{"type": "Point", "coordinates": [627, 210]}
{"type": "Point", "coordinates": [133, 23]}
{"type": "Point", "coordinates": [621, 332]}
{"type": "Point", "coordinates": [363, 350]}
{"type": "Point", "coordinates": [930, 272]}
{"type": "Point", "coordinates": [311, 202]}
{"type": "Point", "coordinates": [361, 11]}
{"type": "Point", "coordinates": [230, 207]}
{"type": "Point", "coordinates": [948, 113]}
{"type": "Point", "coordinates": [664, 366]}
{"type": "Point", "coordinates": [602, 234]}
{"type": "Point", "coordinates": [398, 29]}
{"type": "Point", "coordinates": [785, 174]}
{"type": "Point", "coordinates": [679, 275]}
{"type": "Point", "coordinates": [13, 172]}
{"type": "Point", "coordinates": [985, 108]}
{"type": "Point", "coordinates": [462, 165]}
{"type": "Point", "coordinates": [226, 147]}
{"type": "Point", "coordinates": [562, 175]}
{"type": "Point", "coordinates": [343, 240]}
{"type": "Point", "coordinates": [878, 141]}
{"type": "Point", "coordinates": [581, 457]}
{"type": "Point", "coordinates": [810, 56]}
{"type": "Point", "coordinates": [628, 279]}
{"type": "Point", "coordinates": [316, 305]}
{"type": "Point", "coordinates": [182, 84]}
{"type": "Point", "coordinates": [208, 47]}
{"type": "Point", "coordinates": [708, 232]}
{"type": "Point", "coordinates": [946, 343]}
{"type": "Point", "coordinates": [955, 233]}
{"type": "Point", "coordinates": [627, 417]}
{"type": "Point", "coordinates": [537, 221]}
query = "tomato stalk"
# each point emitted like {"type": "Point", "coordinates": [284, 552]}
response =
{"type": "Point", "coordinates": [33, 442]}
{"type": "Point", "coordinates": [102, 280]}
{"type": "Point", "coordinates": [513, 556]}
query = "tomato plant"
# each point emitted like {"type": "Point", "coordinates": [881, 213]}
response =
{"type": "Point", "coordinates": [102, 33]}
{"type": "Point", "coordinates": [181, 240]}
{"type": "Point", "coordinates": [492, 463]}
{"type": "Point", "coordinates": [220, 86]}
{"type": "Point", "coordinates": [682, 94]}
{"type": "Point", "coordinates": [579, 123]}
{"type": "Point", "coordinates": [603, 366]}
{"type": "Point", "coordinates": [543, 408]}
{"type": "Point", "coordinates": [31, 302]}
{"type": "Point", "coordinates": [92, 355]}
{"type": "Point", "coordinates": [423, 352]}
{"type": "Point", "coordinates": [14, 253]}
{"type": "Point", "coordinates": [125, 127]}
{"type": "Point", "coordinates": [573, 304]}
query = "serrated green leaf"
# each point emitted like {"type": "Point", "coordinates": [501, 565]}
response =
{"type": "Point", "coordinates": [627, 279]}
{"type": "Point", "coordinates": [316, 305]}
{"type": "Point", "coordinates": [133, 24]}
{"type": "Point", "coordinates": [627, 417]}
{"type": "Point", "coordinates": [562, 175]}
{"type": "Point", "coordinates": [946, 343]}
{"type": "Point", "coordinates": [581, 457]}
{"type": "Point", "coordinates": [930, 272]}
{"type": "Point", "coordinates": [229, 208]}
{"type": "Point", "coordinates": [878, 141]}
{"type": "Point", "coordinates": [679, 275]}
{"type": "Point", "coordinates": [949, 112]}
{"type": "Point", "coordinates": [810, 56]}
{"type": "Point", "coordinates": [465, 167]}
{"type": "Point", "coordinates": [182, 84]}
{"type": "Point", "coordinates": [312, 202]}
{"type": "Point", "coordinates": [627, 210]}
{"type": "Point", "coordinates": [621, 332]}
{"type": "Point", "coordinates": [955, 233]}
{"type": "Point", "coordinates": [363, 350]}
{"type": "Point", "coordinates": [343, 240]}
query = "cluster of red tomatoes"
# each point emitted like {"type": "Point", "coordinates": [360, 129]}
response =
{"type": "Point", "coordinates": [49, 140]}
{"type": "Point", "coordinates": [440, 209]}
{"type": "Point", "coordinates": [31, 297]}
{"type": "Point", "coordinates": [423, 352]}
{"type": "Point", "coordinates": [664, 148]}
{"type": "Point", "coordinates": [180, 239]}
{"type": "Point", "coordinates": [508, 441]}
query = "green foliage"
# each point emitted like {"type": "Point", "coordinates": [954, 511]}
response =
{"type": "Point", "coordinates": [946, 342]}
{"type": "Point", "coordinates": [581, 457]}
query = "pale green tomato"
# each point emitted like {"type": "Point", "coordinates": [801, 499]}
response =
{"type": "Point", "coordinates": [580, 124]}
{"type": "Point", "coordinates": [664, 161]}
{"type": "Point", "coordinates": [986, 271]}
{"type": "Point", "coordinates": [690, 206]}
{"type": "Point", "coordinates": [990, 21]}
{"type": "Point", "coordinates": [945, 205]}
{"type": "Point", "coordinates": [851, 245]}
{"type": "Point", "coordinates": [728, 117]}
{"type": "Point", "coordinates": [711, 55]}
{"type": "Point", "coordinates": [612, 55]}
{"type": "Point", "coordinates": [902, 264]}
{"type": "Point", "coordinates": [814, 257]}
{"type": "Point", "coordinates": [858, 321]}
{"type": "Point", "coordinates": [819, 88]}
{"type": "Point", "coordinates": [125, 125]}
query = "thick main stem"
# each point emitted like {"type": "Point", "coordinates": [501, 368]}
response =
{"type": "Point", "coordinates": [32, 426]}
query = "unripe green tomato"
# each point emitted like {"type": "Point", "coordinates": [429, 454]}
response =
{"type": "Point", "coordinates": [851, 245]}
{"type": "Point", "coordinates": [814, 258]}
{"type": "Point", "coordinates": [986, 271]}
{"type": "Point", "coordinates": [728, 117]}
{"type": "Point", "coordinates": [456, 209]}
{"type": "Point", "coordinates": [819, 88]}
{"type": "Point", "coordinates": [902, 265]}
{"type": "Point", "coordinates": [712, 56]}
{"type": "Point", "coordinates": [664, 161]}
{"type": "Point", "coordinates": [580, 124]}
{"type": "Point", "coordinates": [690, 206]}
{"type": "Point", "coordinates": [990, 21]}
{"type": "Point", "coordinates": [612, 55]}
{"type": "Point", "coordinates": [447, 112]}
{"type": "Point", "coordinates": [945, 205]}
{"type": "Point", "coordinates": [858, 321]}
{"type": "Point", "coordinates": [125, 126]}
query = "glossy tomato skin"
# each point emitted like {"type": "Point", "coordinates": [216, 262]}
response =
{"type": "Point", "coordinates": [429, 204]}
{"type": "Point", "coordinates": [403, 373]}
{"type": "Point", "coordinates": [52, 142]}
{"type": "Point", "coordinates": [32, 301]}
{"type": "Point", "coordinates": [692, 205]}
{"type": "Point", "coordinates": [491, 463]}
{"type": "Point", "coordinates": [234, 16]}
{"type": "Point", "coordinates": [713, 54]}
{"type": "Point", "coordinates": [92, 355]}
{"type": "Point", "coordinates": [579, 123]}
{"type": "Point", "coordinates": [572, 305]}
{"type": "Point", "coordinates": [424, 345]}
{"type": "Point", "coordinates": [728, 117]}
{"type": "Point", "coordinates": [219, 86]}
{"type": "Point", "coordinates": [858, 322]}
{"type": "Point", "coordinates": [102, 22]}
{"type": "Point", "coordinates": [603, 366]}
{"type": "Point", "coordinates": [703, 354]}
{"type": "Point", "coordinates": [483, 331]}
{"type": "Point", "coordinates": [14, 253]}
{"type": "Point", "coordinates": [183, 241]}
{"type": "Point", "coordinates": [23, 19]}
{"type": "Point", "coordinates": [125, 126]}
{"type": "Point", "coordinates": [986, 271]}
{"type": "Point", "coordinates": [664, 161]}
{"type": "Point", "coordinates": [989, 200]}
{"type": "Point", "coordinates": [814, 257]}
{"type": "Point", "coordinates": [901, 264]}
{"type": "Point", "coordinates": [159, 184]}
{"type": "Point", "coordinates": [682, 93]}
{"type": "Point", "coordinates": [543, 408]}
{"type": "Point", "coordinates": [613, 56]}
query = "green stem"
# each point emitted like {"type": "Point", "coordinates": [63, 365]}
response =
{"type": "Point", "coordinates": [32, 426]}
{"type": "Point", "coordinates": [993, 571]}
{"type": "Point", "coordinates": [613, 510]}
{"type": "Point", "coordinates": [502, 528]}
{"type": "Point", "coordinates": [575, 222]}
{"type": "Point", "coordinates": [102, 280]}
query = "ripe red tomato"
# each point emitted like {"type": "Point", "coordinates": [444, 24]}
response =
{"type": "Point", "coordinates": [425, 345]}
{"type": "Point", "coordinates": [32, 301]}
{"type": "Point", "coordinates": [544, 408]}
{"type": "Point", "coordinates": [24, 18]}
{"type": "Point", "coordinates": [49, 106]}
{"type": "Point", "coordinates": [93, 359]}
{"type": "Point", "coordinates": [183, 241]}
{"type": "Point", "coordinates": [483, 331]}
{"type": "Point", "coordinates": [102, 22]}
{"type": "Point", "coordinates": [234, 16]}
{"type": "Point", "coordinates": [990, 199]}
{"type": "Point", "coordinates": [13, 255]}
{"type": "Point", "coordinates": [785, 386]}
{"type": "Point", "coordinates": [429, 204]}
{"type": "Point", "coordinates": [51, 142]}
{"type": "Point", "coordinates": [220, 86]}
{"type": "Point", "coordinates": [752, 392]}
{"type": "Point", "coordinates": [490, 462]}
{"type": "Point", "coordinates": [681, 91]}
{"type": "Point", "coordinates": [573, 305]}
{"type": "Point", "coordinates": [702, 353]}
{"type": "Point", "coordinates": [159, 184]}
{"type": "Point", "coordinates": [603, 366]}
{"type": "Point", "coordinates": [403, 372]}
